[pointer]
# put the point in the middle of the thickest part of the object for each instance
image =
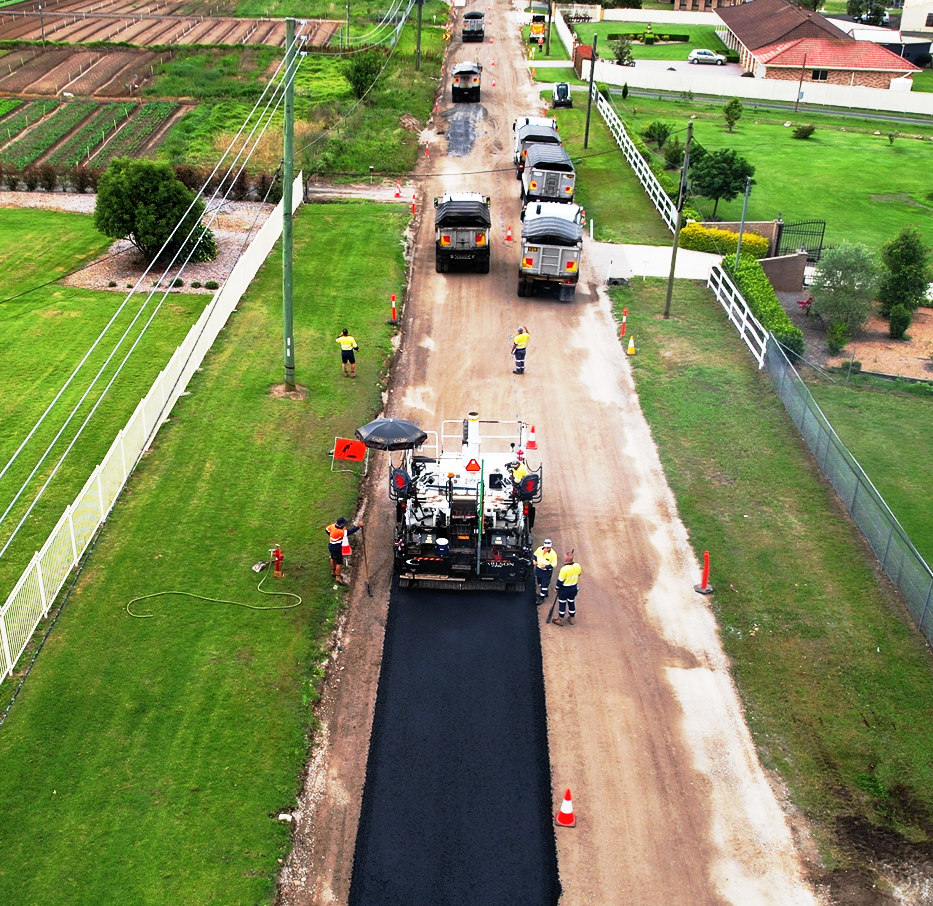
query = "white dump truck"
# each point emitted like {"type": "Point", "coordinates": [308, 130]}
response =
{"type": "Point", "coordinates": [551, 248]}
{"type": "Point", "coordinates": [461, 231]}
{"type": "Point", "coordinates": [548, 174]}
{"type": "Point", "coordinates": [466, 81]}
{"type": "Point", "coordinates": [525, 137]}
{"type": "Point", "coordinates": [474, 26]}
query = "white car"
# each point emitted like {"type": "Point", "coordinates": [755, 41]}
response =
{"type": "Point", "coordinates": [706, 56]}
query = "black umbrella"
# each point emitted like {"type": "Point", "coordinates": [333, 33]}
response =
{"type": "Point", "coordinates": [391, 434]}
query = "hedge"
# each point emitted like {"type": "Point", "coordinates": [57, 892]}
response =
{"type": "Point", "coordinates": [763, 301]}
{"type": "Point", "coordinates": [722, 242]}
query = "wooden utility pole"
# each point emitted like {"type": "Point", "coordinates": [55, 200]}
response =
{"type": "Point", "coordinates": [681, 198]}
{"type": "Point", "coordinates": [589, 96]}
{"type": "Point", "coordinates": [288, 176]}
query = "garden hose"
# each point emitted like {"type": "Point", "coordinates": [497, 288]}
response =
{"type": "Point", "coordinates": [188, 594]}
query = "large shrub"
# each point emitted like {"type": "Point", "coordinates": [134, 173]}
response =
{"type": "Point", "coordinates": [701, 238]}
{"type": "Point", "coordinates": [758, 292]}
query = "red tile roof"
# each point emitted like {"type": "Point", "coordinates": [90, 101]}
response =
{"type": "Point", "coordinates": [763, 22]}
{"type": "Point", "coordinates": [822, 53]}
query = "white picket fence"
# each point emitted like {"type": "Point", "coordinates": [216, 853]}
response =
{"type": "Point", "coordinates": [736, 308]}
{"type": "Point", "coordinates": [38, 587]}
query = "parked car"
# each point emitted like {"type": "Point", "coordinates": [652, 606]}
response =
{"type": "Point", "coordinates": [706, 56]}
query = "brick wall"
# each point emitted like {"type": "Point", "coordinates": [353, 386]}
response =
{"type": "Point", "coordinates": [863, 78]}
{"type": "Point", "coordinates": [785, 273]}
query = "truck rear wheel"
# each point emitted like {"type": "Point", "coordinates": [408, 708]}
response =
{"type": "Point", "coordinates": [441, 265]}
{"type": "Point", "coordinates": [522, 287]}
{"type": "Point", "coordinates": [567, 292]}
{"type": "Point", "coordinates": [482, 266]}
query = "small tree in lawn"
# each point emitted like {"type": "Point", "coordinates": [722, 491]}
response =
{"type": "Point", "coordinates": [623, 52]}
{"type": "Point", "coordinates": [658, 132]}
{"type": "Point", "coordinates": [906, 272]}
{"type": "Point", "coordinates": [674, 154]}
{"type": "Point", "coordinates": [733, 113]}
{"type": "Point", "coordinates": [843, 291]}
{"type": "Point", "coordinates": [363, 69]}
{"type": "Point", "coordinates": [144, 201]}
{"type": "Point", "coordinates": [720, 175]}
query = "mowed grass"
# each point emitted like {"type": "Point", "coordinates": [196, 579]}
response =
{"type": "Point", "coordinates": [873, 419]}
{"type": "Point", "coordinates": [700, 36]}
{"type": "Point", "coordinates": [836, 682]}
{"type": "Point", "coordinates": [606, 186]}
{"type": "Point", "coordinates": [865, 188]}
{"type": "Point", "coordinates": [146, 760]}
{"type": "Point", "coordinates": [46, 330]}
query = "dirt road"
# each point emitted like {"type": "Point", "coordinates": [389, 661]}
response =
{"type": "Point", "coordinates": [645, 727]}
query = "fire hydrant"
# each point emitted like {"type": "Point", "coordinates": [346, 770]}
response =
{"type": "Point", "coordinates": [277, 558]}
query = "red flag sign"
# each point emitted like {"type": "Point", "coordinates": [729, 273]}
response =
{"type": "Point", "coordinates": [346, 448]}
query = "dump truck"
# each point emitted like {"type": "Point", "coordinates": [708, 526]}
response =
{"type": "Point", "coordinates": [474, 26]}
{"type": "Point", "coordinates": [465, 507]}
{"type": "Point", "coordinates": [560, 95]}
{"type": "Point", "coordinates": [461, 231]}
{"type": "Point", "coordinates": [531, 134]}
{"type": "Point", "coordinates": [551, 248]}
{"type": "Point", "coordinates": [548, 174]}
{"type": "Point", "coordinates": [465, 81]}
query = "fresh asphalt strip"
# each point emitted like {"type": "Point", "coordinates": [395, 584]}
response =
{"type": "Point", "coordinates": [457, 802]}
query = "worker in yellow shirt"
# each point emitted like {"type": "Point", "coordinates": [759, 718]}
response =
{"type": "Point", "coordinates": [545, 559]}
{"type": "Point", "coordinates": [347, 348]}
{"type": "Point", "coordinates": [519, 348]}
{"type": "Point", "coordinates": [567, 584]}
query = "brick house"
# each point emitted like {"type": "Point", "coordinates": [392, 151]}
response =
{"type": "Point", "coordinates": [776, 39]}
{"type": "Point", "coordinates": [917, 16]}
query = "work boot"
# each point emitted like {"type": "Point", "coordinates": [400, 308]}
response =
{"type": "Point", "coordinates": [557, 621]}
{"type": "Point", "coordinates": [571, 621]}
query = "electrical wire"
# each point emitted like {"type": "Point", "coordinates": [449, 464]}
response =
{"type": "Point", "coordinates": [188, 594]}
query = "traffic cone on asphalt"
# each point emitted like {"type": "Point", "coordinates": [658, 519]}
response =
{"type": "Point", "coordinates": [631, 346]}
{"type": "Point", "coordinates": [532, 443]}
{"type": "Point", "coordinates": [565, 815]}
{"type": "Point", "coordinates": [398, 190]}
{"type": "Point", "coordinates": [508, 235]}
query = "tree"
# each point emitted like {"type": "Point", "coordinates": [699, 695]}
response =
{"type": "Point", "coordinates": [143, 201]}
{"type": "Point", "coordinates": [657, 132]}
{"type": "Point", "coordinates": [623, 52]}
{"type": "Point", "coordinates": [720, 175]}
{"type": "Point", "coordinates": [843, 291]}
{"type": "Point", "coordinates": [871, 12]}
{"type": "Point", "coordinates": [363, 69]}
{"type": "Point", "coordinates": [906, 264]}
{"type": "Point", "coordinates": [812, 5]}
{"type": "Point", "coordinates": [732, 112]}
{"type": "Point", "coordinates": [674, 154]}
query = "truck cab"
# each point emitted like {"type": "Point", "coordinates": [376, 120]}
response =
{"type": "Point", "coordinates": [528, 135]}
{"type": "Point", "coordinates": [548, 174]}
{"type": "Point", "coordinates": [466, 81]}
{"type": "Point", "coordinates": [551, 248]}
{"type": "Point", "coordinates": [537, 32]}
{"type": "Point", "coordinates": [461, 231]}
{"type": "Point", "coordinates": [474, 26]}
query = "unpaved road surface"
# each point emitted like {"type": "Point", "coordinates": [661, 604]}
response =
{"type": "Point", "coordinates": [644, 724]}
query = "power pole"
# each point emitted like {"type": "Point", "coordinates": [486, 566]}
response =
{"type": "Point", "coordinates": [288, 169]}
{"type": "Point", "coordinates": [681, 198]}
{"type": "Point", "coordinates": [738, 245]}
{"type": "Point", "coordinates": [550, 19]}
{"type": "Point", "coordinates": [589, 96]}
{"type": "Point", "coordinates": [420, 5]}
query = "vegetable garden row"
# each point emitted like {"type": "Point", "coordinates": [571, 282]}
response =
{"type": "Point", "coordinates": [76, 131]}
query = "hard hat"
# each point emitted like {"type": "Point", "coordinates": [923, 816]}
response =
{"type": "Point", "coordinates": [547, 542]}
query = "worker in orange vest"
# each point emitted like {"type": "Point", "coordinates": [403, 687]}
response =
{"type": "Point", "coordinates": [337, 533]}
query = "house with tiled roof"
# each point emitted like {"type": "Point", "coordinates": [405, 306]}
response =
{"type": "Point", "coordinates": [776, 39]}
{"type": "Point", "coordinates": [917, 16]}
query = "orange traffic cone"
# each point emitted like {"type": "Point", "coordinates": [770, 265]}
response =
{"type": "Point", "coordinates": [398, 190]}
{"type": "Point", "coordinates": [532, 443]}
{"type": "Point", "coordinates": [508, 235]}
{"type": "Point", "coordinates": [631, 346]}
{"type": "Point", "coordinates": [565, 815]}
{"type": "Point", "coordinates": [493, 83]}
{"type": "Point", "coordinates": [346, 550]}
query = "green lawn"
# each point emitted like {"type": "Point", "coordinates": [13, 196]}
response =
{"type": "Point", "coordinates": [700, 36]}
{"type": "Point", "coordinates": [865, 188]}
{"type": "Point", "coordinates": [837, 684]}
{"type": "Point", "coordinates": [923, 80]}
{"type": "Point", "coordinates": [48, 329]}
{"type": "Point", "coordinates": [872, 419]}
{"type": "Point", "coordinates": [145, 760]}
